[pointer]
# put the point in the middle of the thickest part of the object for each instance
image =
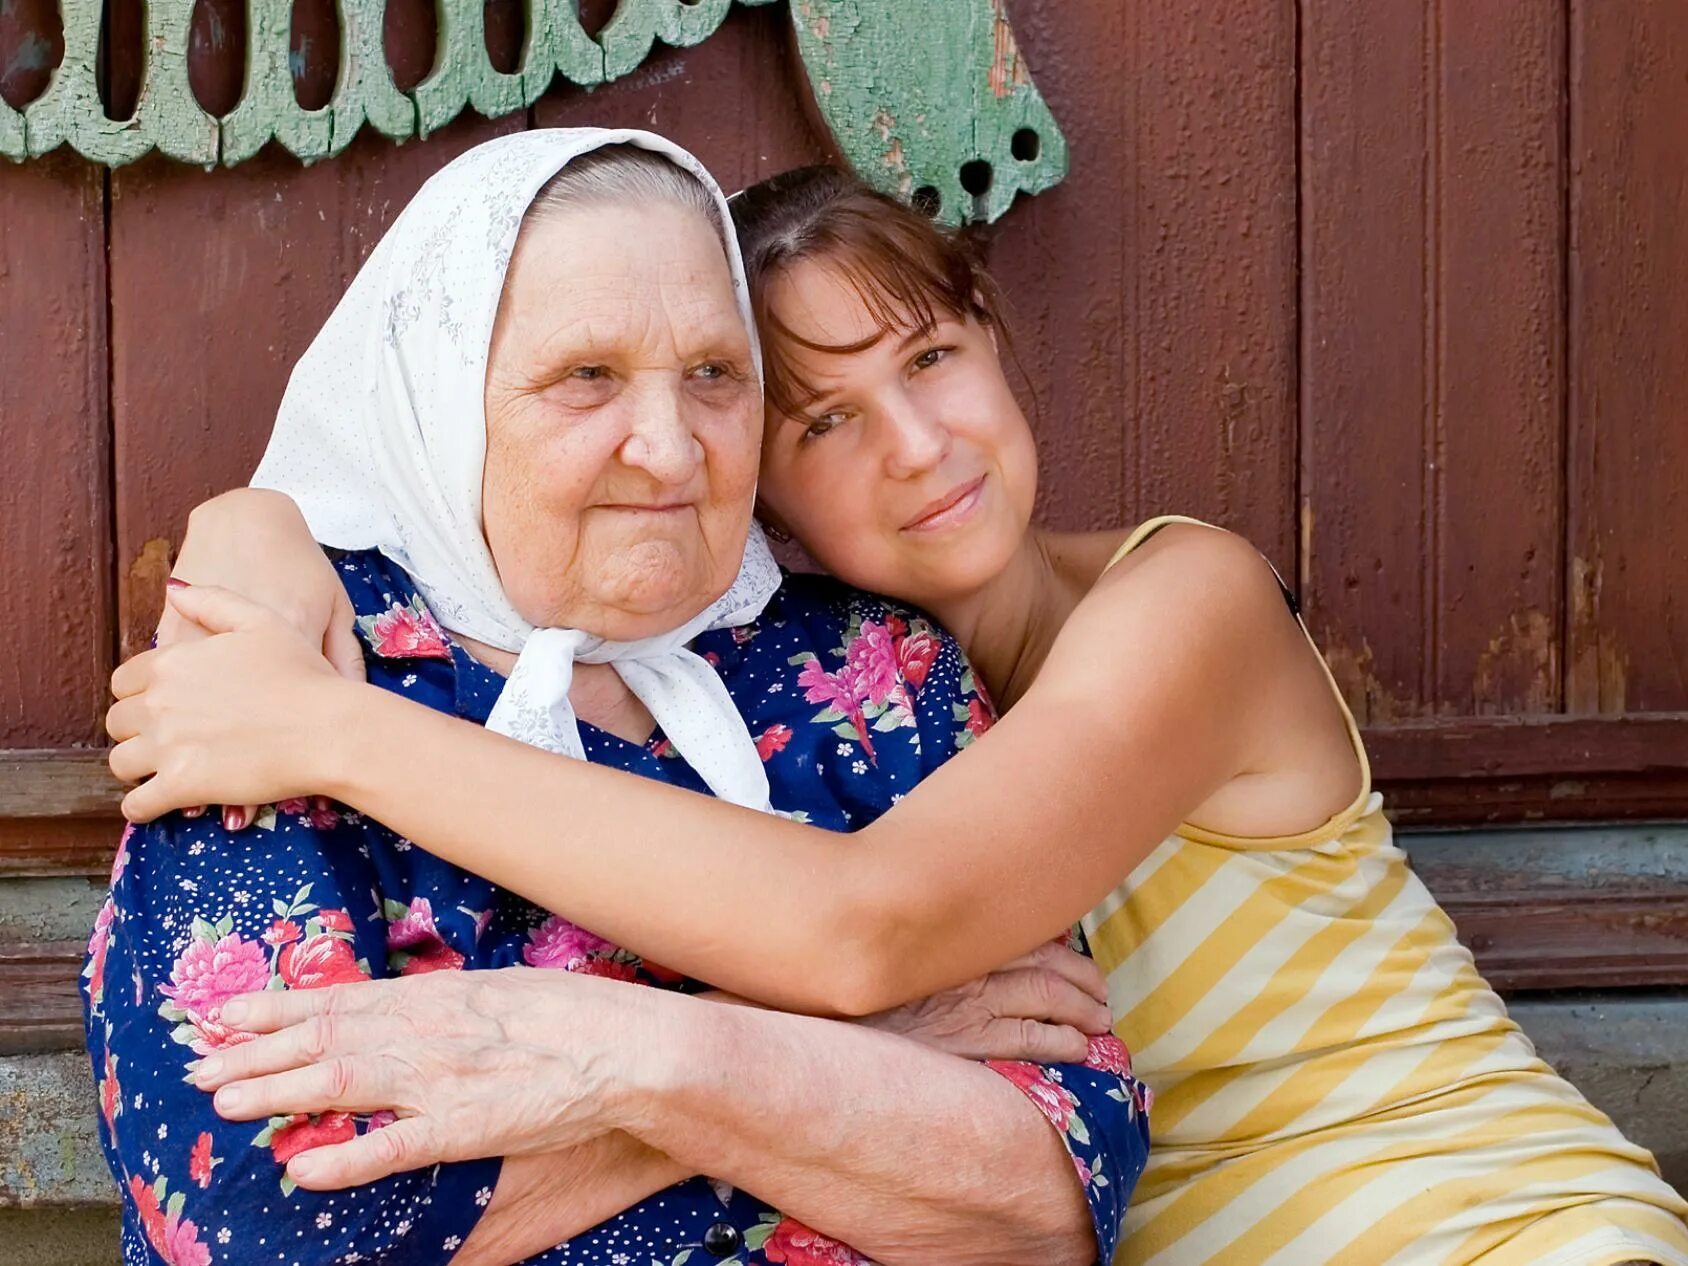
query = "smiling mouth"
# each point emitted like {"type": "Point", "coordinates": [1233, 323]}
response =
{"type": "Point", "coordinates": [947, 509]}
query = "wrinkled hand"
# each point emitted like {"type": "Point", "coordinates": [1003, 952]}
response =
{"type": "Point", "coordinates": [230, 719]}
{"type": "Point", "coordinates": [1042, 1007]}
{"type": "Point", "coordinates": [255, 542]}
{"type": "Point", "coordinates": [512, 1062]}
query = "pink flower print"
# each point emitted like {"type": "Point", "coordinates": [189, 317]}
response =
{"type": "Point", "coordinates": [773, 739]}
{"type": "Point", "coordinates": [282, 932]}
{"type": "Point", "coordinates": [301, 1134]}
{"type": "Point", "coordinates": [174, 1238]}
{"type": "Point", "coordinates": [415, 927]}
{"type": "Point", "coordinates": [382, 1119]}
{"type": "Point", "coordinates": [406, 632]}
{"type": "Point", "coordinates": [121, 861]}
{"type": "Point", "coordinates": [839, 691]}
{"type": "Point", "coordinates": [979, 717]}
{"type": "Point", "coordinates": [872, 658]}
{"type": "Point", "coordinates": [1108, 1055]}
{"type": "Point", "coordinates": [1083, 1169]}
{"type": "Point", "coordinates": [98, 944]}
{"type": "Point", "coordinates": [335, 920]}
{"type": "Point", "coordinates": [797, 1245]}
{"type": "Point", "coordinates": [319, 962]}
{"type": "Point", "coordinates": [436, 957]}
{"type": "Point", "coordinates": [915, 657]}
{"type": "Point", "coordinates": [1055, 1101]}
{"type": "Point", "coordinates": [209, 973]}
{"type": "Point", "coordinates": [111, 1093]}
{"type": "Point", "coordinates": [320, 816]}
{"type": "Point", "coordinates": [200, 1160]}
{"type": "Point", "coordinates": [559, 943]}
{"type": "Point", "coordinates": [610, 968]}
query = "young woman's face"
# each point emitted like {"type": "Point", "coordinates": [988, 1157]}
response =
{"type": "Point", "coordinates": [912, 471]}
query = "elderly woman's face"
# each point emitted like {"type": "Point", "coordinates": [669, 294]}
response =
{"type": "Point", "coordinates": [623, 422]}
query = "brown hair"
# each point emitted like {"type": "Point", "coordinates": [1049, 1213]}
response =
{"type": "Point", "coordinates": [905, 268]}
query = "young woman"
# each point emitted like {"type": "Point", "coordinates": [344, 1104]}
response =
{"type": "Point", "coordinates": [1174, 765]}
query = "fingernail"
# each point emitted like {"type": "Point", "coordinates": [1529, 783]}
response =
{"type": "Point", "coordinates": [173, 583]}
{"type": "Point", "coordinates": [206, 1070]}
{"type": "Point", "coordinates": [228, 1099]}
{"type": "Point", "coordinates": [194, 811]}
{"type": "Point", "coordinates": [233, 1011]}
{"type": "Point", "coordinates": [234, 819]}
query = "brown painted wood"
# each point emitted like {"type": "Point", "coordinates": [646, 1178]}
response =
{"type": "Point", "coordinates": [1537, 800]}
{"type": "Point", "coordinates": [31, 45]}
{"type": "Point", "coordinates": [55, 639]}
{"type": "Point", "coordinates": [57, 784]}
{"type": "Point", "coordinates": [1627, 531]}
{"type": "Point", "coordinates": [40, 1002]}
{"type": "Point", "coordinates": [1498, 747]}
{"type": "Point", "coordinates": [1366, 393]}
{"type": "Point", "coordinates": [1152, 294]}
{"type": "Point", "coordinates": [1497, 251]}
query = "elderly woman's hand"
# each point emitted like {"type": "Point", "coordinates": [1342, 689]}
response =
{"type": "Point", "coordinates": [510, 1062]}
{"type": "Point", "coordinates": [237, 718]}
{"type": "Point", "coordinates": [1043, 1007]}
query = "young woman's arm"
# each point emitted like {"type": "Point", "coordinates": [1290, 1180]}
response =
{"type": "Point", "coordinates": [1182, 663]}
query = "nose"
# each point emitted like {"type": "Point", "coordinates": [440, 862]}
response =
{"type": "Point", "coordinates": [661, 441]}
{"type": "Point", "coordinates": [918, 440]}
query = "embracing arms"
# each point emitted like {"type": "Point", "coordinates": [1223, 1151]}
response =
{"type": "Point", "coordinates": [953, 879]}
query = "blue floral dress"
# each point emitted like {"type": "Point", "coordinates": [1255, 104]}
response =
{"type": "Point", "coordinates": [851, 700]}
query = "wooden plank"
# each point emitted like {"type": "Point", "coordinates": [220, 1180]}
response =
{"type": "Point", "coordinates": [1152, 296]}
{"type": "Point", "coordinates": [252, 260]}
{"type": "Point", "coordinates": [1499, 247]}
{"type": "Point", "coordinates": [1496, 747]}
{"type": "Point", "coordinates": [1628, 429]}
{"type": "Point", "coordinates": [57, 784]}
{"type": "Point", "coordinates": [1366, 392]}
{"type": "Point", "coordinates": [40, 1007]}
{"type": "Point", "coordinates": [1067, 265]}
{"type": "Point", "coordinates": [1537, 799]}
{"type": "Point", "coordinates": [56, 638]}
{"type": "Point", "coordinates": [1565, 909]}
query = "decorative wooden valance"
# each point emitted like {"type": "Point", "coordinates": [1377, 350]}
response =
{"type": "Point", "coordinates": [929, 99]}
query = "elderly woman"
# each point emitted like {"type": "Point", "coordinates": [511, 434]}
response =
{"type": "Point", "coordinates": [537, 414]}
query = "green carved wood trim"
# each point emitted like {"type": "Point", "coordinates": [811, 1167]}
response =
{"type": "Point", "coordinates": [928, 100]}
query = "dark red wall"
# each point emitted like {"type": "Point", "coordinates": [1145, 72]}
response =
{"type": "Point", "coordinates": [1399, 289]}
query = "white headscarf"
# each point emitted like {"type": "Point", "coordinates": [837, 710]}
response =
{"type": "Point", "coordinates": [381, 439]}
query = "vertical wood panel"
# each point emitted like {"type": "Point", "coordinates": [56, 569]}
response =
{"type": "Point", "coordinates": [219, 281]}
{"type": "Point", "coordinates": [1366, 368]}
{"type": "Point", "coordinates": [1628, 431]}
{"type": "Point", "coordinates": [1499, 326]}
{"type": "Point", "coordinates": [1066, 264]}
{"type": "Point", "coordinates": [55, 639]}
{"type": "Point", "coordinates": [1158, 283]}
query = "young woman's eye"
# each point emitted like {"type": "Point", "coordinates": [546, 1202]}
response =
{"type": "Point", "coordinates": [931, 356]}
{"type": "Point", "coordinates": [825, 424]}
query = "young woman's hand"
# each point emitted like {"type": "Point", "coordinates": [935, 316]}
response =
{"type": "Point", "coordinates": [255, 542]}
{"type": "Point", "coordinates": [1043, 1007]}
{"type": "Point", "coordinates": [242, 717]}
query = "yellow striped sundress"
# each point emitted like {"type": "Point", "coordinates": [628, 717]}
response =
{"type": "Point", "coordinates": [1334, 1081]}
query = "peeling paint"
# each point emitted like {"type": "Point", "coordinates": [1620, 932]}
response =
{"type": "Point", "coordinates": [1598, 681]}
{"type": "Point", "coordinates": [1519, 667]}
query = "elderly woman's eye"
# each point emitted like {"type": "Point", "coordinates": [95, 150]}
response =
{"type": "Point", "coordinates": [588, 373]}
{"type": "Point", "coordinates": [710, 371]}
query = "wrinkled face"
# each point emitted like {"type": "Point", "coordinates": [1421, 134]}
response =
{"type": "Point", "coordinates": [623, 419]}
{"type": "Point", "coordinates": [913, 471]}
